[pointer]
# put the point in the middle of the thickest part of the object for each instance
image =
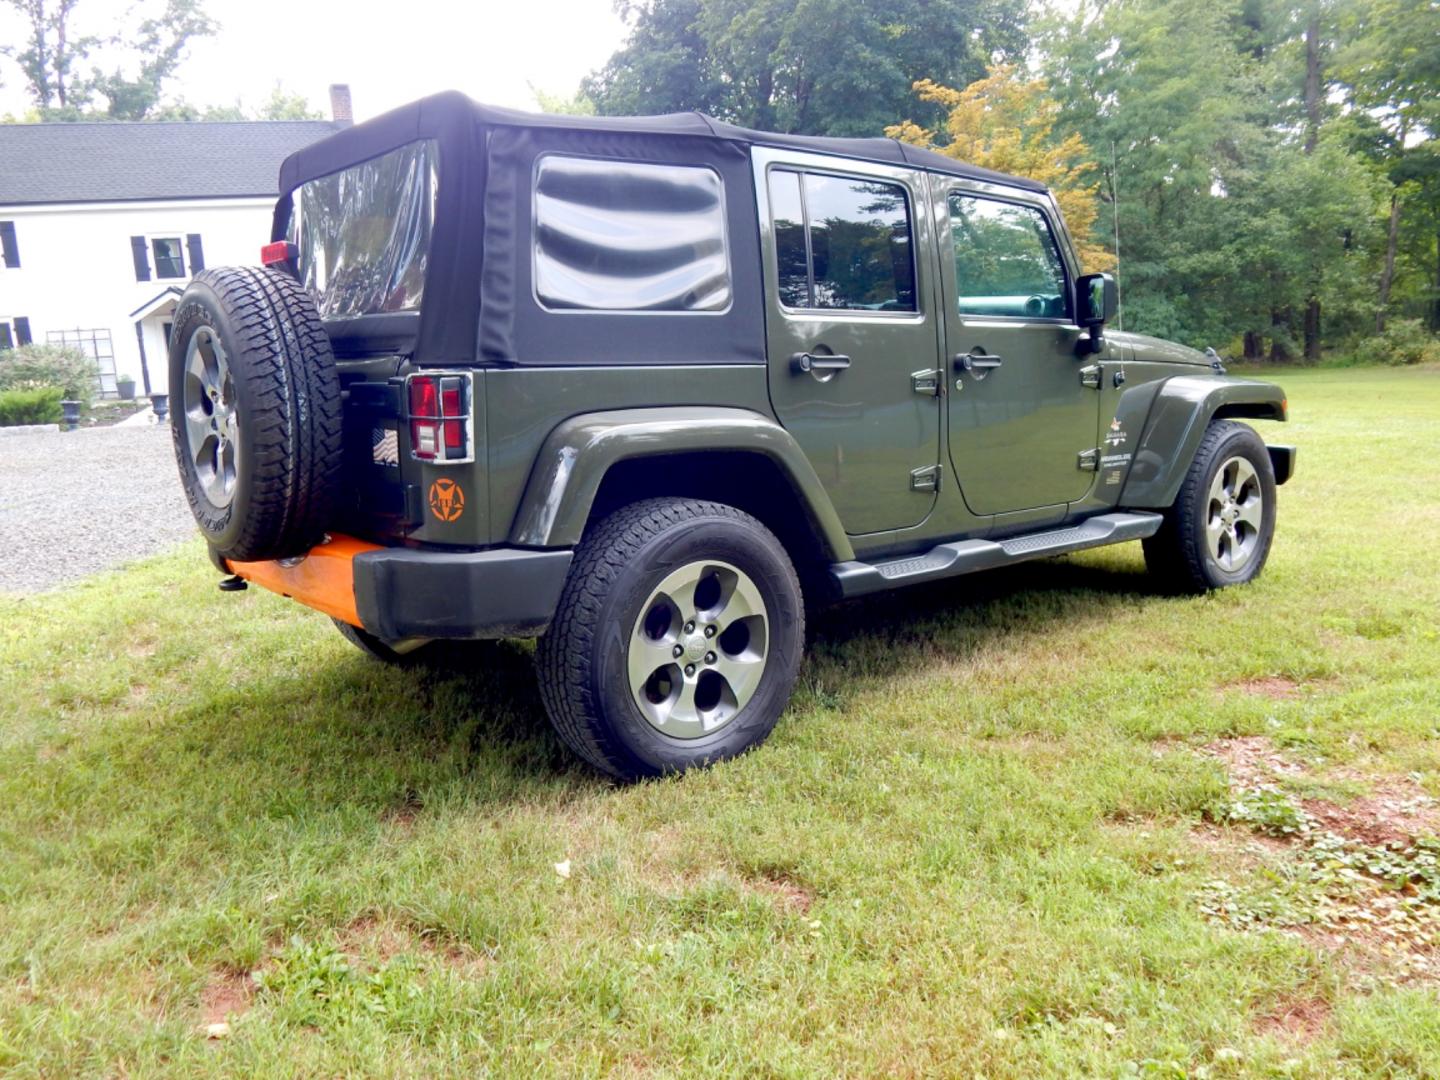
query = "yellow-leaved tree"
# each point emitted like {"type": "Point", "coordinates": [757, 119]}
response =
{"type": "Point", "coordinates": [1007, 123]}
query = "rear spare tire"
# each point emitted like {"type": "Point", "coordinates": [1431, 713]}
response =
{"type": "Point", "coordinates": [255, 412]}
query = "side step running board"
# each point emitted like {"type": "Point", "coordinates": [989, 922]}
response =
{"type": "Point", "coordinates": [967, 556]}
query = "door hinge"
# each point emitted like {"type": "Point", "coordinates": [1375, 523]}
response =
{"type": "Point", "coordinates": [1090, 376]}
{"type": "Point", "coordinates": [927, 382]}
{"type": "Point", "coordinates": [926, 479]}
{"type": "Point", "coordinates": [1089, 461]}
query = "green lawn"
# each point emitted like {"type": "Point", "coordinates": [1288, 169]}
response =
{"type": "Point", "coordinates": [1009, 827]}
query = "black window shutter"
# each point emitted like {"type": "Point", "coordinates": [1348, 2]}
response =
{"type": "Point", "coordinates": [197, 255]}
{"type": "Point", "coordinates": [7, 244]}
{"type": "Point", "coordinates": [141, 251]}
{"type": "Point", "coordinates": [22, 330]}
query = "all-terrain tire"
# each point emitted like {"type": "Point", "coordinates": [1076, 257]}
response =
{"type": "Point", "coordinates": [582, 661]}
{"type": "Point", "coordinates": [283, 401]}
{"type": "Point", "coordinates": [1179, 555]}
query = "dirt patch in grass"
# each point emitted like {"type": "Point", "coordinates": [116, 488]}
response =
{"type": "Point", "coordinates": [226, 996]}
{"type": "Point", "coordinates": [788, 894]}
{"type": "Point", "coordinates": [1253, 760]}
{"type": "Point", "coordinates": [369, 938]}
{"type": "Point", "coordinates": [1397, 809]}
{"type": "Point", "coordinates": [1296, 1019]}
{"type": "Point", "coordinates": [1275, 687]}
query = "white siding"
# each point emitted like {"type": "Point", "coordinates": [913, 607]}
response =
{"type": "Point", "coordinates": [77, 271]}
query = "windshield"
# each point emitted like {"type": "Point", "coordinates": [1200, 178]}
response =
{"type": "Point", "coordinates": [364, 233]}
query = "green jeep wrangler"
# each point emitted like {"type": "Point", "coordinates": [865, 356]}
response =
{"type": "Point", "coordinates": [648, 388]}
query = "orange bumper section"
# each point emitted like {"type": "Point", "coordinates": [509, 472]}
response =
{"type": "Point", "coordinates": [323, 578]}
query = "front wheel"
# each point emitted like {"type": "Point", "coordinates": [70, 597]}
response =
{"type": "Point", "coordinates": [1219, 530]}
{"type": "Point", "coordinates": [677, 639]}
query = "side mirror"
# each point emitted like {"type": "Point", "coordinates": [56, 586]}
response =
{"type": "Point", "coordinates": [1097, 299]}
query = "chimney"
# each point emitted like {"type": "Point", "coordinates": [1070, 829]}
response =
{"type": "Point", "coordinates": [340, 111]}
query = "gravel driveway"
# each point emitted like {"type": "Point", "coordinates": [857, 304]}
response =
{"type": "Point", "coordinates": [74, 503]}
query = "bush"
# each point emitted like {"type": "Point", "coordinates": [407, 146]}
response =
{"type": "Point", "coordinates": [31, 367]}
{"type": "Point", "coordinates": [38, 406]}
{"type": "Point", "coordinates": [1406, 341]}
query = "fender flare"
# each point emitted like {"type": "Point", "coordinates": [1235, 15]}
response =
{"type": "Point", "coordinates": [1178, 417]}
{"type": "Point", "coordinates": [576, 456]}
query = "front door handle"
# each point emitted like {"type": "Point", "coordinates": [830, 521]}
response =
{"type": "Point", "coordinates": [821, 363]}
{"type": "Point", "coordinates": [978, 362]}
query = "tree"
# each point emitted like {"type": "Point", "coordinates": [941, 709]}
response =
{"type": "Point", "coordinates": [141, 62]}
{"type": "Point", "coordinates": [1007, 123]}
{"type": "Point", "coordinates": [829, 67]}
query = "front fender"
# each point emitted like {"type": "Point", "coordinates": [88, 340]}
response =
{"type": "Point", "coordinates": [1177, 420]}
{"type": "Point", "coordinates": [578, 453]}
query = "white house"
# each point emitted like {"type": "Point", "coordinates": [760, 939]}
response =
{"type": "Point", "coordinates": [102, 225]}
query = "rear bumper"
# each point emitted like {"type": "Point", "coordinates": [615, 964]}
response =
{"type": "Point", "coordinates": [399, 593]}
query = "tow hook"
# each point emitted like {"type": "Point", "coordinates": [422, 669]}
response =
{"type": "Point", "coordinates": [235, 583]}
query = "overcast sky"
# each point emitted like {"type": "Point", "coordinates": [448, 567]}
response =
{"type": "Point", "coordinates": [389, 51]}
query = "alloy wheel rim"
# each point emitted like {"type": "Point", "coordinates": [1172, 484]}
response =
{"type": "Point", "coordinates": [1234, 515]}
{"type": "Point", "coordinates": [698, 649]}
{"type": "Point", "coordinates": [211, 425]}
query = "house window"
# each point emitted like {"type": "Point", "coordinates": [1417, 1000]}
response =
{"type": "Point", "coordinates": [169, 257]}
{"type": "Point", "coordinates": [97, 346]}
{"type": "Point", "coordinates": [9, 250]}
{"type": "Point", "coordinates": [14, 331]}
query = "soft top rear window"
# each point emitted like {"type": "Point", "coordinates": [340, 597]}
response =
{"type": "Point", "coordinates": [364, 233]}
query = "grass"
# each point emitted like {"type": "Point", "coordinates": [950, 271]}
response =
{"type": "Point", "coordinates": [975, 845]}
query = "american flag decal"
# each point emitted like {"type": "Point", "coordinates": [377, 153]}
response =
{"type": "Point", "coordinates": [385, 446]}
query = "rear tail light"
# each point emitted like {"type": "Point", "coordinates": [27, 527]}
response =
{"type": "Point", "coordinates": [438, 412]}
{"type": "Point", "coordinates": [281, 253]}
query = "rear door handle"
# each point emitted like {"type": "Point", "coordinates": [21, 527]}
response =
{"type": "Point", "coordinates": [802, 362]}
{"type": "Point", "coordinates": [978, 362]}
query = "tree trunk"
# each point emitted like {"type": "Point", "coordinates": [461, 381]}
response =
{"type": "Point", "coordinates": [1387, 275]}
{"type": "Point", "coordinates": [1312, 79]}
{"type": "Point", "coordinates": [1254, 346]}
{"type": "Point", "coordinates": [1312, 328]}
{"type": "Point", "coordinates": [1279, 335]}
{"type": "Point", "coordinates": [1435, 310]}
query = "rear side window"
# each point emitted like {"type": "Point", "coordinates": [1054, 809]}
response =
{"type": "Point", "coordinates": [364, 233]}
{"type": "Point", "coordinates": [629, 236]}
{"type": "Point", "coordinates": [1006, 261]}
{"type": "Point", "coordinates": [842, 242]}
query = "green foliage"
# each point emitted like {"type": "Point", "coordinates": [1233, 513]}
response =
{"type": "Point", "coordinates": [1404, 341]}
{"type": "Point", "coordinates": [831, 67]}
{"type": "Point", "coordinates": [141, 56]}
{"type": "Point", "coordinates": [38, 406]}
{"type": "Point", "coordinates": [1267, 811]}
{"type": "Point", "coordinates": [31, 367]}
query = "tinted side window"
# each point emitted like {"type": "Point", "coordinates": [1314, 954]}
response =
{"type": "Point", "coordinates": [855, 250]}
{"type": "Point", "coordinates": [626, 236]}
{"type": "Point", "coordinates": [1006, 261]}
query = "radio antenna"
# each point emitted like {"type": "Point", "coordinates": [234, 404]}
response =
{"type": "Point", "coordinates": [1115, 218]}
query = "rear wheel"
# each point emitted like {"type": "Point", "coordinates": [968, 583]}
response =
{"type": "Point", "coordinates": [677, 639]}
{"type": "Point", "coordinates": [1219, 530]}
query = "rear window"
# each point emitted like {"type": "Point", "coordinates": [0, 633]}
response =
{"type": "Point", "coordinates": [364, 233]}
{"type": "Point", "coordinates": [629, 236]}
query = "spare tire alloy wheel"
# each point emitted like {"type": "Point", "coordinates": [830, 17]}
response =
{"type": "Point", "coordinates": [211, 427]}
{"type": "Point", "coordinates": [698, 649]}
{"type": "Point", "coordinates": [258, 431]}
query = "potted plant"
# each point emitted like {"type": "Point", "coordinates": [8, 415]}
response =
{"type": "Point", "coordinates": [126, 385]}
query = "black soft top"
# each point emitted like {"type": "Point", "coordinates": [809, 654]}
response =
{"type": "Point", "coordinates": [480, 304]}
{"type": "Point", "coordinates": [433, 116]}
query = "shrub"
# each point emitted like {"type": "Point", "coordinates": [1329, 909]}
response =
{"type": "Point", "coordinates": [33, 366]}
{"type": "Point", "coordinates": [1406, 341]}
{"type": "Point", "coordinates": [38, 406]}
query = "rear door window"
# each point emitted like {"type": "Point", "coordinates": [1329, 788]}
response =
{"type": "Point", "coordinates": [842, 242]}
